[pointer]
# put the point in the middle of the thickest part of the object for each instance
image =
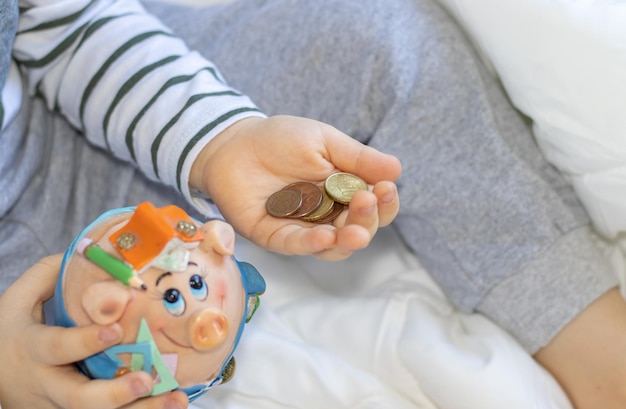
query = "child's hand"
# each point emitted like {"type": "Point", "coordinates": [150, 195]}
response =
{"type": "Point", "coordinates": [255, 157]}
{"type": "Point", "coordinates": [36, 368]}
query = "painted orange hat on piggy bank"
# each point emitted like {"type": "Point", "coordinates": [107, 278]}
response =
{"type": "Point", "coordinates": [172, 283]}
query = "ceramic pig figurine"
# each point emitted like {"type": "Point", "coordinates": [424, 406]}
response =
{"type": "Point", "coordinates": [174, 286]}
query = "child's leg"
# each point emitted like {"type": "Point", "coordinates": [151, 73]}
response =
{"type": "Point", "coordinates": [497, 227]}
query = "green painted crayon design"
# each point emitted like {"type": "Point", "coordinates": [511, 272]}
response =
{"type": "Point", "coordinates": [115, 267]}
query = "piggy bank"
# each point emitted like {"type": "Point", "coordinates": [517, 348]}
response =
{"type": "Point", "coordinates": [174, 286]}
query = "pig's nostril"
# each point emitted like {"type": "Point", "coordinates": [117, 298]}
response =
{"type": "Point", "coordinates": [208, 330]}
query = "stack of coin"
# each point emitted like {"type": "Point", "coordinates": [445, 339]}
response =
{"type": "Point", "coordinates": [312, 203]}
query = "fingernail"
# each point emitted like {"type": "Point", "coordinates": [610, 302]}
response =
{"type": "Point", "coordinates": [388, 197]}
{"type": "Point", "coordinates": [140, 387]}
{"type": "Point", "coordinates": [366, 211]}
{"type": "Point", "coordinates": [173, 404]}
{"type": "Point", "coordinates": [110, 334]}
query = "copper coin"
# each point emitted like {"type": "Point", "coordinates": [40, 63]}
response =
{"type": "Point", "coordinates": [283, 203]}
{"type": "Point", "coordinates": [323, 210]}
{"type": "Point", "coordinates": [342, 186]}
{"type": "Point", "coordinates": [337, 209]}
{"type": "Point", "coordinates": [311, 197]}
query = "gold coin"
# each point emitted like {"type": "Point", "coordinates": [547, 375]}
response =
{"type": "Point", "coordinates": [283, 203]}
{"type": "Point", "coordinates": [342, 186]}
{"type": "Point", "coordinates": [323, 210]}
{"type": "Point", "coordinates": [337, 209]}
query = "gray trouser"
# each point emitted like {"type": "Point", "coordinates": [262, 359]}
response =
{"type": "Point", "coordinates": [496, 226]}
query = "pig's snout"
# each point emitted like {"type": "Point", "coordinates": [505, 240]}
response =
{"type": "Point", "coordinates": [207, 329]}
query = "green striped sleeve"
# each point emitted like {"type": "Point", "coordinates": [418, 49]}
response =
{"type": "Point", "coordinates": [57, 22]}
{"type": "Point", "coordinates": [128, 86]}
{"type": "Point", "coordinates": [192, 100]}
{"type": "Point", "coordinates": [168, 84]}
{"type": "Point", "coordinates": [205, 130]}
{"type": "Point", "coordinates": [117, 54]}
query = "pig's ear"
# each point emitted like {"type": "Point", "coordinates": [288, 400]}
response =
{"type": "Point", "coordinates": [105, 301]}
{"type": "Point", "coordinates": [218, 236]}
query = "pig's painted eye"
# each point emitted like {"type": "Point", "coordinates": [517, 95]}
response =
{"type": "Point", "coordinates": [198, 286]}
{"type": "Point", "coordinates": [174, 302]}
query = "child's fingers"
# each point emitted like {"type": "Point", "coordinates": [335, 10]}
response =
{"type": "Point", "coordinates": [355, 228]}
{"type": "Point", "coordinates": [352, 156]}
{"type": "Point", "coordinates": [388, 202]}
{"type": "Point", "coordinates": [363, 211]}
{"type": "Point", "coordinates": [348, 238]}
{"type": "Point", "coordinates": [72, 390]}
{"type": "Point", "coordinates": [130, 391]}
{"type": "Point", "coordinates": [60, 346]}
{"type": "Point", "coordinates": [352, 230]}
{"type": "Point", "coordinates": [172, 400]}
{"type": "Point", "coordinates": [295, 238]}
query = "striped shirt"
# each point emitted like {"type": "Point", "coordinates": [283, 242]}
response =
{"type": "Point", "coordinates": [122, 78]}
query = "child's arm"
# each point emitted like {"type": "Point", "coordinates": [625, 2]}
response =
{"type": "Point", "coordinates": [136, 90]}
{"type": "Point", "coordinates": [133, 87]}
{"type": "Point", "coordinates": [36, 368]}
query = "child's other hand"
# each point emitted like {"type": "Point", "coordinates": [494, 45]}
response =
{"type": "Point", "coordinates": [36, 368]}
{"type": "Point", "coordinates": [255, 157]}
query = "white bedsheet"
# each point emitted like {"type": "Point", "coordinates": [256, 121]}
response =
{"type": "Point", "coordinates": [373, 332]}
